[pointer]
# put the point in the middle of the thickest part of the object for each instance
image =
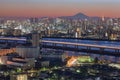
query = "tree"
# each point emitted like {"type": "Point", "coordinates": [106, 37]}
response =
{"type": "Point", "coordinates": [96, 60]}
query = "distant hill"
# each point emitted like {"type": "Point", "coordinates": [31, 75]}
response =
{"type": "Point", "coordinates": [82, 16]}
{"type": "Point", "coordinates": [76, 16]}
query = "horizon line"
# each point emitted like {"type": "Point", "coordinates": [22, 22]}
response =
{"type": "Point", "coordinates": [55, 16]}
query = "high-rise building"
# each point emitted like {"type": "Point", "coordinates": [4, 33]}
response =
{"type": "Point", "coordinates": [103, 18]}
{"type": "Point", "coordinates": [35, 39]}
{"type": "Point", "coordinates": [33, 20]}
{"type": "Point", "coordinates": [30, 51]}
{"type": "Point", "coordinates": [78, 33]}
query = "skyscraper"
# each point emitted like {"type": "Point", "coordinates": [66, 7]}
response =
{"type": "Point", "coordinates": [35, 39]}
{"type": "Point", "coordinates": [78, 33]}
{"type": "Point", "coordinates": [30, 51]}
{"type": "Point", "coordinates": [33, 20]}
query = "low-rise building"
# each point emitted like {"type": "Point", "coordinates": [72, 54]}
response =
{"type": "Point", "coordinates": [19, 77]}
{"type": "Point", "coordinates": [18, 62]}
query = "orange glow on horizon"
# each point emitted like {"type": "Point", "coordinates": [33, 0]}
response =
{"type": "Point", "coordinates": [55, 8]}
{"type": "Point", "coordinates": [43, 12]}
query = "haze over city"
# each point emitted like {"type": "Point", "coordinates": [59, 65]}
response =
{"type": "Point", "coordinates": [59, 40]}
{"type": "Point", "coordinates": [55, 8]}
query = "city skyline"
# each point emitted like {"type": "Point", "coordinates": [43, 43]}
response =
{"type": "Point", "coordinates": [55, 8]}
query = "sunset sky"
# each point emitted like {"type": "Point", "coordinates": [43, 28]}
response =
{"type": "Point", "coordinates": [53, 8]}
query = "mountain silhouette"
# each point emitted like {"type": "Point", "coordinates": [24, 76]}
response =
{"type": "Point", "coordinates": [77, 16]}
{"type": "Point", "coordinates": [80, 16]}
